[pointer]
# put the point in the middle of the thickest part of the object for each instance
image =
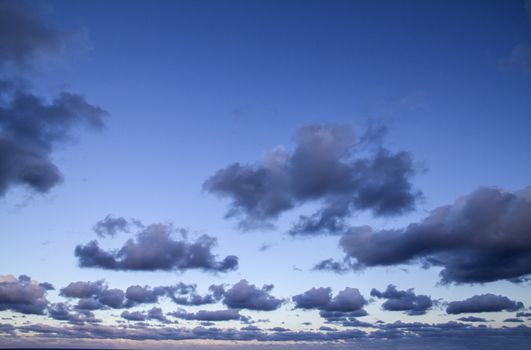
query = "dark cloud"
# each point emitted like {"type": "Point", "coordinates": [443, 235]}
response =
{"type": "Point", "coordinates": [156, 314]}
{"type": "Point", "coordinates": [331, 265]}
{"type": "Point", "coordinates": [482, 237]}
{"type": "Point", "coordinates": [143, 295]}
{"type": "Point", "coordinates": [243, 295]}
{"type": "Point", "coordinates": [110, 226]}
{"type": "Point", "coordinates": [513, 320]}
{"type": "Point", "coordinates": [134, 316]}
{"type": "Point", "coordinates": [211, 316]}
{"type": "Point", "coordinates": [321, 168]}
{"type": "Point", "coordinates": [451, 335]}
{"type": "Point", "coordinates": [22, 295]}
{"type": "Point", "coordinates": [83, 289]}
{"type": "Point", "coordinates": [403, 300]}
{"type": "Point", "coordinates": [155, 249]}
{"type": "Point", "coordinates": [472, 319]}
{"type": "Point", "coordinates": [94, 295]}
{"type": "Point", "coordinates": [23, 34]}
{"type": "Point", "coordinates": [186, 295]}
{"type": "Point", "coordinates": [63, 312]}
{"type": "Point", "coordinates": [483, 303]}
{"type": "Point", "coordinates": [348, 300]}
{"type": "Point", "coordinates": [47, 286]}
{"type": "Point", "coordinates": [30, 128]}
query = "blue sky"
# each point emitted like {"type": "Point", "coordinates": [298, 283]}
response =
{"type": "Point", "coordinates": [178, 112]}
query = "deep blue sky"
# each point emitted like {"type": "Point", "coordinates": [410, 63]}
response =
{"type": "Point", "coordinates": [191, 87]}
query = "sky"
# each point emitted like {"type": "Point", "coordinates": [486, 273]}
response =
{"type": "Point", "coordinates": [265, 174]}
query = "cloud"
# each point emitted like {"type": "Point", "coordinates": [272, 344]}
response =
{"type": "Point", "coordinates": [155, 249]}
{"type": "Point", "coordinates": [183, 294]}
{"type": "Point", "coordinates": [83, 289]}
{"type": "Point", "coordinates": [331, 265]}
{"type": "Point", "coordinates": [30, 128]}
{"type": "Point", "coordinates": [403, 300]}
{"type": "Point", "coordinates": [243, 295]}
{"type": "Point", "coordinates": [110, 226]}
{"type": "Point", "coordinates": [472, 319]}
{"type": "Point", "coordinates": [143, 295]}
{"type": "Point", "coordinates": [134, 316]}
{"type": "Point", "coordinates": [211, 316]}
{"type": "Point", "coordinates": [23, 34]}
{"type": "Point", "coordinates": [483, 303]}
{"type": "Point", "coordinates": [94, 295]}
{"type": "Point", "coordinates": [22, 295]}
{"type": "Point", "coordinates": [482, 237]}
{"type": "Point", "coordinates": [348, 300]}
{"type": "Point", "coordinates": [63, 312]}
{"type": "Point", "coordinates": [321, 168]}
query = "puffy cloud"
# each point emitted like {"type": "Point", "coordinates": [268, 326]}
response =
{"type": "Point", "coordinates": [155, 249]}
{"type": "Point", "coordinates": [94, 295]}
{"type": "Point", "coordinates": [110, 226]}
{"type": "Point", "coordinates": [23, 34]}
{"type": "Point", "coordinates": [63, 312]}
{"type": "Point", "coordinates": [212, 316]}
{"type": "Point", "coordinates": [331, 265]}
{"type": "Point", "coordinates": [321, 168]}
{"type": "Point", "coordinates": [483, 303]}
{"type": "Point", "coordinates": [186, 295]}
{"type": "Point", "coordinates": [30, 128]}
{"type": "Point", "coordinates": [22, 295]}
{"type": "Point", "coordinates": [484, 236]}
{"type": "Point", "coordinates": [348, 300]}
{"type": "Point", "coordinates": [243, 295]}
{"type": "Point", "coordinates": [83, 289]}
{"type": "Point", "coordinates": [142, 295]}
{"type": "Point", "coordinates": [403, 300]}
{"type": "Point", "coordinates": [134, 316]}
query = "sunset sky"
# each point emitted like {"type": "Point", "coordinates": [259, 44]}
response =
{"type": "Point", "coordinates": [265, 174]}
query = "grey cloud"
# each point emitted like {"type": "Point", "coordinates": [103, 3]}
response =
{"type": "Point", "coordinates": [483, 303]}
{"type": "Point", "coordinates": [110, 226]}
{"type": "Point", "coordinates": [472, 319]}
{"type": "Point", "coordinates": [403, 300]}
{"type": "Point", "coordinates": [22, 295]}
{"type": "Point", "coordinates": [331, 265]}
{"type": "Point", "coordinates": [190, 297]}
{"type": "Point", "coordinates": [321, 168]}
{"type": "Point", "coordinates": [513, 320]}
{"type": "Point", "coordinates": [30, 128]}
{"type": "Point", "coordinates": [212, 316]}
{"type": "Point", "coordinates": [155, 249]}
{"type": "Point", "coordinates": [156, 314]}
{"type": "Point", "coordinates": [134, 316]}
{"type": "Point", "coordinates": [94, 295]}
{"type": "Point", "coordinates": [23, 34]}
{"type": "Point", "coordinates": [482, 237]}
{"type": "Point", "coordinates": [348, 300]}
{"type": "Point", "coordinates": [243, 295]}
{"type": "Point", "coordinates": [83, 289]}
{"type": "Point", "coordinates": [141, 295]}
{"type": "Point", "coordinates": [63, 312]}
{"type": "Point", "coordinates": [416, 335]}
